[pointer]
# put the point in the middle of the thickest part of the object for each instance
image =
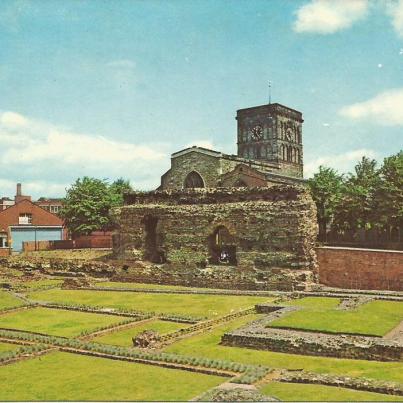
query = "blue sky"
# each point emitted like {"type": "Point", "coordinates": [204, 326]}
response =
{"type": "Point", "coordinates": [112, 88]}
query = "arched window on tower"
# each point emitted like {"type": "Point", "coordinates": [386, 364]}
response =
{"type": "Point", "coordinates": [298, 161]}
{"type": "Point", "coordinates": [283, 156]}
{"type": "Point", "coordinates": [193, 180]}
{"type": "Point", "coordinates": [288, 153]}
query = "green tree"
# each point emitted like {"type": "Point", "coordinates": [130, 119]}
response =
{"type": "Point", "coordinates": [355, 208]}
{"type": "Point", "coordinates": [388, 198]}
{"type": "Point", "coordinates": [86, 206]}
{"type": "Point", "coordinates": [325, 188]}
{"type": "Point", "coordinates": [117, 189]}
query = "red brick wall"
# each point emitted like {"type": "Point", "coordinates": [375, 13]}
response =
{"type": "Point", "coordinates": [4, 252]}
{"type": "Point", "coordinates": [84, 242]}
{"type": "Point", "coordinates": [367, 269]}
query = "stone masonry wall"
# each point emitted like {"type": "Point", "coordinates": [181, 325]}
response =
{"type": "Point", "coordinates": [273, 229]}
{"type": "Point", "coordinates": [212, 167]}
{"type": "Point", "coordinates": [207, 166]}
{"type": "Point", "coordinates": [361, 268]}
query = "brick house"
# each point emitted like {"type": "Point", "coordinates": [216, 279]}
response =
{"type": "Point", "coordinates": [26, 221]}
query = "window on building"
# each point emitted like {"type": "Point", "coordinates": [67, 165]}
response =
{"type": "Point", "coordinates": [54, 209]}
{"type": "Point", "coordinates": [3, 241]}
{"type": "Point", "coordinates": [25, 219]}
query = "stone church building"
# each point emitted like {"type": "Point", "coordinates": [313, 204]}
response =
{"type": "Point", "coordinates": [269, 152]}
{"type": "Point", "coordinates": [231, 221]}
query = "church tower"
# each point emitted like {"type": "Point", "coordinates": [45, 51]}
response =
{"type": "Point", "coordinates": [272, 133]}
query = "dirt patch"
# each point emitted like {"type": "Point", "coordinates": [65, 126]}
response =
{"type": "Point", "coordinates": [396, 333]}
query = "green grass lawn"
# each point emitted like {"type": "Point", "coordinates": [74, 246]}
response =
{"type": "Point", "coordinates": [8, 347]}
{"type": "Point", "coordinates": [116, 284]}
{"type": "Point", "coordinates": [9, 301]}
{"type": "Point", "coordinates": [63, 376]}
{"type": "Point", "coordinates": [34, 285]}
{"type": "Point", "coordinates": [181, 304]}
{"type": "Point", "coordinates": [314, 393]}
{"type": "Point", "coordinates": [207, 345]}
{"type": "Point", "coordinates": [373, 318]}
{"type": "Point", "coordinates": [124, 337]}
{"type": "Point", "coordinates": [55, 321]}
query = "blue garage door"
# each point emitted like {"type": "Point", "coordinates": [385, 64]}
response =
{"type": "Point", "coordinates": [20, 235]}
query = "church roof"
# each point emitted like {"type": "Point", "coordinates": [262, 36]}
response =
{"type": "Point", "coordinates": [198, 149]}
{"type": "Point", "coordinates": [218, 154]}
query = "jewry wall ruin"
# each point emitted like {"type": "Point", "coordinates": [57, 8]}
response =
{"type": "Point", "coordinates": [264, 236]}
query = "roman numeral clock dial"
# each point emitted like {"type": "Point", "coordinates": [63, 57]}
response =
{"type": "Point", "coordinates": [257, 133]}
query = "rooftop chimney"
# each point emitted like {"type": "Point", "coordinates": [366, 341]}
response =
{"type": "Point", "coordinates": [19, 197]}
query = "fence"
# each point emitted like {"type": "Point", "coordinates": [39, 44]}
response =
{"type": "Point", "coordinates": [84, 242]}
{"type": "Point", "coordinates": [373, 239]}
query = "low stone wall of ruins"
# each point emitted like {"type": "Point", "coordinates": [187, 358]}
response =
{"type": "Point", "coordinates": [259, 335]}
{"type": "Point", "coordinates": [272, 229]}
{"type": "Point", "coordinates": [364, 269]}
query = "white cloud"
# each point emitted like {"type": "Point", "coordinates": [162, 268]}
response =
{"type": "Point", "coordinates": [201, 143]}
{"type": "Point", "coordinates": [51, 156]}
{"type": "Point", "coordinates": [12, 120]}
{"type": "Point", "coordinates": [394, 9]}
{"type": "Point", "coordinates": [329, 16]}
{"type": "Point", "coordinates": [342, 162]}
{"type": "Point", "coordinates": [385, 108]}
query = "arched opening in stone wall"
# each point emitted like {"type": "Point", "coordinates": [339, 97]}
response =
{"type": "Point", "coordinates": [194, 180]}
{"type": "Point", "coordinates": [153, 253]}
{"type": "Point", "coordinates": [222, 247]}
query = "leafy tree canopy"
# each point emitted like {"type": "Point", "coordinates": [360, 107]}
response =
{"type": "Point", "coordinates": [87, 204]}
{"type": "Point", "coordinates": [118, 188]}
{"type": "Point", "coordinates": [325, 186]}
{"type": "Point", "coordinates": [368, 198]}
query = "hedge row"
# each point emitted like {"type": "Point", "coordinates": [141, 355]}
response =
{"type": "Point", "coordinates": [11, 308]}
{"type": "Point", "coordinates": [25, 350]}
{"type": "Point", "coordinates": [250, 373]}
{"type": "Point", "coordinates": [110, 326]}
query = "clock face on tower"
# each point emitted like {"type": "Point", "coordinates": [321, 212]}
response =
{"type": "Point", "coordinates": [257, 133]}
